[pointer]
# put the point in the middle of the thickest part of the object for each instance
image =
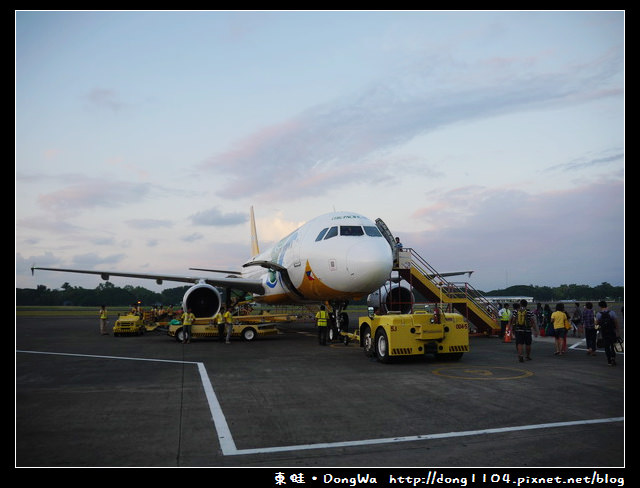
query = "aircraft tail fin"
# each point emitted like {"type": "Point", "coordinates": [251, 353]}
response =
{"type": "Point", "coordinates": [255, 249]}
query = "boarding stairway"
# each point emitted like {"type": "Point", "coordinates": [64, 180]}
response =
{"type": "Point", "coordinates": [463, 298]}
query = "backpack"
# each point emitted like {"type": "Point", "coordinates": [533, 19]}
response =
{"type": "Point", "coordinates": [521, 320]}
{"type": "Point", "coordinates": [606, 322]}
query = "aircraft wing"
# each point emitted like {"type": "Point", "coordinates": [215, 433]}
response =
{"type": "Point", "coordinates": [217, 271]}
{"type": "Point", "coordinates": [252, 286]}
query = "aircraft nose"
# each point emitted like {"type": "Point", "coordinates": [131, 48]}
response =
{"type": "Point", "coordinates": [369, 264]}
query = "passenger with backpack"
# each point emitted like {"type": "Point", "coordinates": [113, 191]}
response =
{"type": "Point", "coordinates": [607, 325]}
{"type": "Point", "coordinates": [522, 321]}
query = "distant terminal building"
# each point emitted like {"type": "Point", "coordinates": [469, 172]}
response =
{"type": "Point", "coordinates": [509, 299]}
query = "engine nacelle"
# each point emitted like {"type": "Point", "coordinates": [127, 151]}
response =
{"type": "Point", "coordinates": [204, 300]}
{"type": "Point", "coordinates": [392, 297]}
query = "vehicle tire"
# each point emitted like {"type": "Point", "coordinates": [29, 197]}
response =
{"type": "Point", "coordinates": [180, 335]}
{"type": "Point", "coordinates": [249, 334]}
{"type": "Point", "coordinates": [382, 346]}
{"type": "Point", "coordinates": [367, 341]}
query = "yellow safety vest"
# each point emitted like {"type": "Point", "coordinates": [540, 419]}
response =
{"type": "Point", "coordinates": [103, 313]}
{"type": "Point", "coordinates": [322, 318]}
{"type": "Point", "coordinates": [227, 317]}
{"type": "Point", "coordinates": [188, 318]}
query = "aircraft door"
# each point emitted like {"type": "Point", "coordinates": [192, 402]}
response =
{"type": "Point", "coordinates": [296, 246]}
{"type": "Point", "coordinates": [386, 233]}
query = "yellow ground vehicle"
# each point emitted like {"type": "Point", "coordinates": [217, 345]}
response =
{"type": "Point", "coordinates": [206, 328]}
{"type": "Point", "coordinates": [386, 336]}
{"type": "Point", "coordinates": [129, 324]}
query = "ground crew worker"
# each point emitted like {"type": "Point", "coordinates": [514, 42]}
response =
{"type": "Point", "coordinates": [228, 324]}
{"type": "Point", "coordinates": [187, 321]}
{"type": "Point", "coordinates": [219, 321]}
{"type": "Point", "coordinates": [505, 315]}
{"type": "Point", "coordinates": [103, 320]}
{"type": "Point", "coordinates": [321, 318]}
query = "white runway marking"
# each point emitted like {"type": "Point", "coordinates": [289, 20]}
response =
{"type": "Point", "coordinates": [393, 440]}
{"type": "Point", "coordinates": [222, 429]}
{"type": "Point", "coordinates": [228, 445]}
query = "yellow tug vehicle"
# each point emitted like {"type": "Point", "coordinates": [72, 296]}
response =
{"type": "Point", "coordinates": [130, 324]}
{"type": "Point", "coordinates": [446, 335]}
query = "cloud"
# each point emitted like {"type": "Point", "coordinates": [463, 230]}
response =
{"type": "Point", "coordinates": [149, 224]}
{"type": "Point", "coordinates": [105, 98]}
{"type": "Point", "coordinates": [49, 259]}
{"type": "Point", "coordinates": [215, 217]}
{"type": "Point", "coordinates": [590, 161]}
{"type": "Point", "coordinates": [273, 228]}
{"type": "Point", "coordinates": [90, 260]}
{"type": "Point", "coordinates": [347, 136]}
{"type": "Point", "coordinates": [88, 193]}
{"type": "Point", "coordinates": [550, 238]}
{"type": "Point", "coordinates": [192, 237]}
{"type": "Point", "coordinates": [46, 224]}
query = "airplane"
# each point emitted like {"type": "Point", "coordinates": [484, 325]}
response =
{"type": "Point", "coordinates": [334, 258]}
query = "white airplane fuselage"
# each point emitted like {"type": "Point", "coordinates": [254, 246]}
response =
{"type": "Point", "coordinates": [335, 257]}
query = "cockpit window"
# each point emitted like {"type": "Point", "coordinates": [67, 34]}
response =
{"type": "Point", "coordinates": [351, 230]}
{"type": "Point", "coordinates": [322, 233]}
{"type": "Point", "coordinates": [332, 233]}
{"type": "Point", "coordinates": [372, 231]}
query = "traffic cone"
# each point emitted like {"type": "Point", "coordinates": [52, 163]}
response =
{"type": "Point", "coordinates": [507, 336]}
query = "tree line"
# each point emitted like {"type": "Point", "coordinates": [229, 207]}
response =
{"type": "Point", "coordinates": [108, 294]}
{"type": "Point", "coordinates": [604, 291]}
{"type": "Point", "coordinates": [104, 294]}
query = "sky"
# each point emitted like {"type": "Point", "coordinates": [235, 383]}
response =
{"type": "Point", "coordinates": [485, 140]}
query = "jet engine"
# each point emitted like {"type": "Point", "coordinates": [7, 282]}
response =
{"type": "Point", "coordinates": [204, 300]}
{"type": "Point", "coordinates": [392, 297]}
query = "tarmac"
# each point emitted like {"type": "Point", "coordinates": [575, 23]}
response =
{"type": "Point", "coordinates": [87, 400]}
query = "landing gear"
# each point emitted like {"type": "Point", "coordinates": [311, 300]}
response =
{"type": "Point", "coordinates": [338, 320]}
